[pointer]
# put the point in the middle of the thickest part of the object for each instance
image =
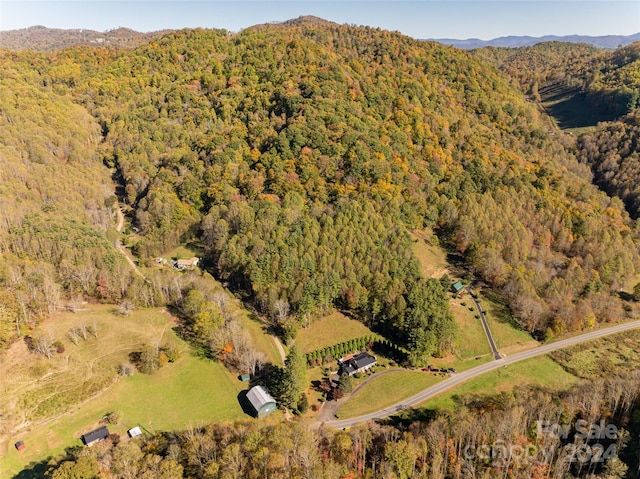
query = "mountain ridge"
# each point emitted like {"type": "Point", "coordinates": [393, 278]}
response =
{"type": "Point", "coordinates": [39, 37]}
{"type": "Point", "coordinates": [43, 38]}
{"type": "Point", "coordinates": [513, 41]}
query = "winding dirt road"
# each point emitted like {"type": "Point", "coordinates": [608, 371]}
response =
{"type": "Point", "coordinates": [121, 247]}
{"type": "Point", "coordinates": [461, 377]}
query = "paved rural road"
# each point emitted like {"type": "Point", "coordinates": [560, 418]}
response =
{"type": "Point", "coordinates": [461, 377]}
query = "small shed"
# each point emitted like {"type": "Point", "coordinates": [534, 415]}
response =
{"type": "Point", "coordinates": [245, 378]}
{"type": "Point", "coordinates": [20, 446]}
{"type": "Point", "coordinates": [94, 436]}
{"type": "Point", "coordinates": [458, 288]}
{"type": "Point", "coordinates": [134, 432]}
{"type": "Point", "coordinates": [261, 401]}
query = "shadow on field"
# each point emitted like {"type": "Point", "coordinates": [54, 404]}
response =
{"type": "Point", "coordinates": [34, 470]}
{"type": "Point", "coordinates": [245, 404]}
{"type": "Point", "coordinates": [570, 107]}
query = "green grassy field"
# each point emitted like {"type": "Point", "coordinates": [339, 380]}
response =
{"type": "Point", "coordinates": [541, 371]}
{"type": "Point", "coordinates": [392, 388]}
{"type": "Point", "coordinates": [472, 341]}
{"type": "Point", "coordinates": [38, 388]}
{"type": "Point", "coordinates": [472, 350]}
{"type": "Point", "coordinates": [190, 391]}
{"type": "Point", "coordinates": [385, 391]}
{"type": "Point", "coordinates": [602, 357]}
{"type": "Point", "coordinates": [184, 252]}
{"type": "Point", "coordinates": [330, 330]}
{"type": "Point", "coordinates": [262, 341]}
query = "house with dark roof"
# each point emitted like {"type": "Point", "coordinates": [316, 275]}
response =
{"type": "Point", "coordinates": [357, 364]}
{"type": "Point", "coordinates": [261, 401]}
{"type": "Point", "coordinates": [94, 436]}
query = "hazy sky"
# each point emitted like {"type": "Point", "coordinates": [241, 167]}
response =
{"type": "Point", "coordinates": [418, 18]}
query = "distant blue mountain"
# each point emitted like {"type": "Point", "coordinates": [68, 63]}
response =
{"type": "Point", "coordinates": [608, 41]}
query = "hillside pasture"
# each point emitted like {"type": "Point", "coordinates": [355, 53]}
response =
{"type": "Point", "coordinates": [432, 258]}
{"type": "Point", "coordinates": [37, 388]}
{"type": "Point", "coordinates": [472, 341]}
{"type": "Point", "coordinates": [507, 334]}
{"type": "Point", "coordinates": [569, 107]}
{"type": "Point", "coordinates": [50, 403]}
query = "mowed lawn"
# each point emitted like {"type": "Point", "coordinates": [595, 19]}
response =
{"type": "Point", "coordinates": [189, 392]}
{"type": "Point", "coordinates": [392, 388]}
{"type": "Point", "coordinates": [183, 252]}
{"type": "Point", "coordinates": [333, 329]}
{"type": "Point", "coordinates": [385, 391]}
{"type": "Point", "coordinates": [472, 340]}
{"type": "Point", "coordinates": [541, 371]}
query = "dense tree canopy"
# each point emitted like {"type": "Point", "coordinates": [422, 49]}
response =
{"type": "Point", "coordinates": [613, 153]}
{"type": "Point", "coordinates": [608, 79]}
{"type": "Point", "coordinates": [56, 201]}
{"type": "Point", "coordinates": [302, 154]}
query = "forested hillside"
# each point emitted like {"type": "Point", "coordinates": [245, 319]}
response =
{"type": "Point", "coordinates": [613, 154]}
{"type": "Point", "coordinates": [539, 66]}
{"type": "Point", "coordinates": [277, 129]}
{"type": "Point", "coordinates": [607, 79]}
{"type": "Point", "coordinates": [56, 203]}
{"type": "Point", "coordinates": [609, 83]}
{"type": "Point", "coordinates": [41, 38]}
{"type": "Point", "coordinates": [301, 155]}
{"type": "Point", "coordinates": [616, 81]}
{"type": "Point", "coordinates": [612, 150]}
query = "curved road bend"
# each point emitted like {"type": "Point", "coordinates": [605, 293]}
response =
{"type": "Point", "coordinates": [485, 325]}
{"type": "Point", "coordinates": [463, 376]}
